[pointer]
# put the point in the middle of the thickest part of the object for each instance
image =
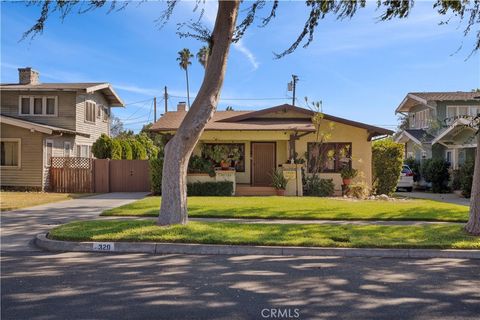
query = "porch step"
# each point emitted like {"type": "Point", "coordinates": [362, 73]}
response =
{"type": "Point", "coordinates": [254, 191]}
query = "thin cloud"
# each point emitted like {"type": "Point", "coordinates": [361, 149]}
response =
{"type": "Point", "coordinates": [248, 54]}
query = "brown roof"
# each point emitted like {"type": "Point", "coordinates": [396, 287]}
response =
{"type": "Point", "coordinates": [447, 96]}
{"type": "Point", "coordinates": [88, 87]}
{"type": "Point", "coordinates": [251, 121]}
{"type": "Point", "coordinates": [38, 126]}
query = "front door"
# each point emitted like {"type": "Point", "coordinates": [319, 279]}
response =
{"type": "Point", "coordinates": [263, 162]}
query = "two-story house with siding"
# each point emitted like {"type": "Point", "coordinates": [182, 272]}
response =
{"type": "Point", "coordinates": [438, 125]}
{"type": "Point", "coordinates": [43, 120]}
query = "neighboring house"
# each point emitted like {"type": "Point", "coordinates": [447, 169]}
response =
{"type": "Point", "coordinates": [438, 126]}
{"type": "Point", "coordinates": [44, 120]}
{"type": "Point", "coordinates": [271, 137]}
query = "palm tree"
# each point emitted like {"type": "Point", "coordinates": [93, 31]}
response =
{"type": "Point", "coordinates": [202, 56]}
{"type": "Point", "coordinates": [183, 59]}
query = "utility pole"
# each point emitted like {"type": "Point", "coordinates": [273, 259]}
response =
{"type": "Point", "coordinates": [154, 109]}
{"type": "Point", "coordinates": [165, 98]}
{"type": "Point", "coordinates": [294, 84]}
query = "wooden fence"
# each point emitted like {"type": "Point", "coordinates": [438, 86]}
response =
{"type": "Point", "coordinates": [71, 174]}
{"type": "Point", "coordinates": [74, 174]}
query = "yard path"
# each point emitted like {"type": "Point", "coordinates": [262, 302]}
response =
{"type": "Point", "coordinates": [19, 227]}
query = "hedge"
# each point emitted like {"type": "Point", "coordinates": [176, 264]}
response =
{"type": "Point", "coordinates": [116, 150]}
{"type": "Point", "coordinates": [156, 167]}
{"type": "Point", "coordinates": [102, 148]}
{"type": "Point", "coordinates": [221, 188]}
{"type": "Point", "coordinates": [436, 172]}
{"type": "Point", "coordinates": [387, 161]}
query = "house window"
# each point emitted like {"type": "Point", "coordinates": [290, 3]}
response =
{"type": "Point", "coordinates": [37, 106]}
{"type": "Point", "coordinates": [99, 111]}
{"type": "Point", "coordinates": [329, 157]}
{"type": "Point", "coordinates": [83, 151]}
{"type": "Point", "coordinates": [48, 152]}
{"type": "Point", "coordinates": [90, 111]}
{"type": "Point", "coordinates": [105, 114]}
{"type": "Point", "coordinates": [10, 149]}
{"type": "Point", "coordinates": [410, 155]}
{"type": "Point", "coordinates": [455, 112]}
{"type": "Point", "coordinates": [67, 149]}
{"type": "Point", "coordinates": [232, 152]}
{"type": "Point", "coordinates": [448, 156]}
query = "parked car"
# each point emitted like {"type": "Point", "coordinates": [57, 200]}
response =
{"type": "Point", "coordinates": [406, 179]}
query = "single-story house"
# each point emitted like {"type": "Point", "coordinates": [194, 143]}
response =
{"type": "Point", "coordinates": [270, 138]}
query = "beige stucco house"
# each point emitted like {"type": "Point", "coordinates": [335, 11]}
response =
{"type": "Point", "coordinates": [41, 120]}
{"type": "Point", "coordinates": [270, 138]}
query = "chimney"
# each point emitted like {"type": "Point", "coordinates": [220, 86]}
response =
{"type": "Point", "coordinates": [182, 107]}
{"type": "Point", "coordinates": [28, 76]}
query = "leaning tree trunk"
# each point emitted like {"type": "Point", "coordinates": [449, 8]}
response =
{"type": "Point", "coordinates": [473, 224]}
{"type": "Point", "coordinates": [178, 150]}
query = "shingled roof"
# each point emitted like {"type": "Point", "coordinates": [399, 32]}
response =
{"type": "Point", "coordinates": [255, 121]}
{"type": "Point", "coordinates": [415, 98]}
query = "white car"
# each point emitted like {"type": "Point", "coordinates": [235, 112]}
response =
{"type": "Point", "coordinates": [406, 179]}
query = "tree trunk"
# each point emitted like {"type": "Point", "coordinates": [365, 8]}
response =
{"type": "Point", "coordinates": [173, 209]}
{"type": "Point", "coordinates": [473, 224]}
{"type": "Point", "coordinates": [188, 88]}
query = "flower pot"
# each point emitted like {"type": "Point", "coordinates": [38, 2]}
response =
{"type": "Point", "coordinates": [347, 181]}
{"type": "Point", "coordinates": [280, 192]}
{"type": "Point", "coordinates": [225, 165]}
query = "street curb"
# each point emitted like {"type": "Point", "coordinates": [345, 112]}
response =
{"type": "Point", "coordinates": [43, 242]}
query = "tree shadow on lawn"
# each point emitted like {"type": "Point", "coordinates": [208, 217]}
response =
{"type": "Point", "coordinates": [119, 286]}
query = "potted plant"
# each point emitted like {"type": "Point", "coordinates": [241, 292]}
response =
{"type": "Point", "coordinates": [348, 174]}
{"type": "Point", "coordinates": [279, 182]}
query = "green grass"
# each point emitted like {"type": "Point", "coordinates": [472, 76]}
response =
{"type": "Point", "coordinates": [11, 200]}
{"type": "Point", "coordinates": [303, 208]}
{"type": "Point", "coordinates": [308, 235]}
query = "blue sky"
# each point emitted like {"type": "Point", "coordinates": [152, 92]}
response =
{"type": "Point", "coordinates": [360, 68]}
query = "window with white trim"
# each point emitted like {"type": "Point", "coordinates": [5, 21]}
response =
{"type": "Point", "coordinates": [48, 152]}
{"type": "Point", "coordinates": [99, 111]}
{"type": "Point", "coordinates": [83, 151]}
{"type": "Point", "coordinates": [455, 112]}
{"type": "Point", "coordinates": [105, 114]}
{"type": "Point", "coordinates": [90, 108]}
{"type": "Point", "coordinates": [67, 149]}
{"type": "Point", "coordinates": [10, 152]}
{"type": "Point", "coordinates": [37, 105]}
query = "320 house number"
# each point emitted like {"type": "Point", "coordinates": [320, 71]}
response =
{"type": "Point", "coordinates": [103, 246]}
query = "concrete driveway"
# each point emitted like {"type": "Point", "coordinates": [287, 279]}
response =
{"type": "Point", "coordinates": [20, 226]}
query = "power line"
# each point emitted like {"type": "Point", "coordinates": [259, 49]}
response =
{"type": "Point", "coordinates": [130, 103]}
{"type": "Point", "coordinates": [236, 99]}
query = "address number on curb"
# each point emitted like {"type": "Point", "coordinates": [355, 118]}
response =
{"type": "Point", "coordinates": [103, 246]}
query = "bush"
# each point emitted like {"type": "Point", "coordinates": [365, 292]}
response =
{"type": "Point", "coordinates": [466, 178]}
{"type": "Point", "coordinates": [436, 172]}
{"type": "Point", "coordinates": [156, 167]}
{"type": "Point", "coordinates": [387, 161]}
{"type": "Point", "coordinates": [455, 177]}
{"type": "Point", "coordinates": [150, 147]}
{"type": "Point", "coordinates": [197, 164]}
{"type": "Point", "coordinates": [126, 149]}
{"type": "Point", "coordinates": [221, 188]}
{"type": "Point", "coordinates": [415, 166]}
{"type": "Point", "coordinates": [116, 150]}
{"type": "Point", "coordinates": [314, 186]}
{"type": "Point", "coordinates": [102, 148]}
{"type": "Point", "coordinates": [359, 190]}
{"type": "Point", "coordinates": [138, 150]}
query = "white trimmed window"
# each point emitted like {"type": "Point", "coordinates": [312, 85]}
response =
{"type": "Point", "coordinates": [48, 152]}
{"type": "Point", "coordinates": [90, 109]}
{"type": "Point", "coordinates": [99, 111]}
{"type": "Point", "coordinates": [38, 106]}
{"type": "Point", "coordinates": [10, 152]}
{"type": "Point", "coordinates": [105, 114]}
{"type": "Point", "coordinates": [67, 149]}
{"type": "Point", "coordinates": [83, 151]}
{"type": "Point", "coordinates": [454, 112]}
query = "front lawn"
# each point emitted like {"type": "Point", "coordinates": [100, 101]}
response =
{"type": "Point", "coordinates": [308, 235]}
{"type": "Point", "coordinates": [303, 208]}
{"type": "Point", "coordinates": [11, 200]}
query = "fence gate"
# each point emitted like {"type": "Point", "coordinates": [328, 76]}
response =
{"type": "Point", "coordinates": [71, 174]}
{"type": "Point", "coordinates": [129, 176]}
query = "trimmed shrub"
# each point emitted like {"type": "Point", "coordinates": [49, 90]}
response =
{"type": "Point", "coordinates": [436, 172]}
{"type": "Point", "coordinates": [126, 149]}
{"type": "Point", "coordinates": [102, 148]}
{"type": "Point", "coordinates": [456, 183]}
{"type": "Point", "coordinates": [138, 150]}
{"type": "Point", "coordinates": [387, 161]}
{"type": "Point", "coordinates": [220, 188]}
{"type": "Point", "coordinates": [359, 190]}
{"type": "Point", "coordinates": [314, 186]}
{"type": "Point", "coordinates": [466, 178]}
{"type": "Point", "coordinates": [150, 147]}
{"type": "Point", "coordinates": [116, 150]}
{"type": "Point", "coordinates": [156, 167]}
